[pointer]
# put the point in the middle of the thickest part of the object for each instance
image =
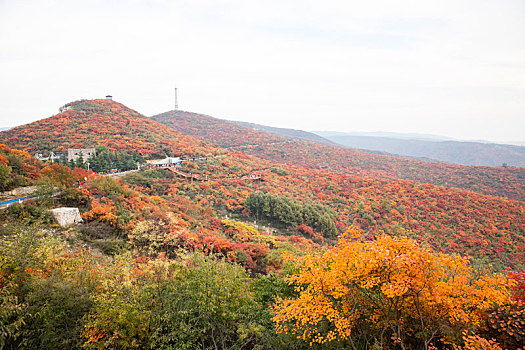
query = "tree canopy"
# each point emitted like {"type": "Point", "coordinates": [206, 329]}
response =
{"type": "Point", "coordinates": [389, 292]}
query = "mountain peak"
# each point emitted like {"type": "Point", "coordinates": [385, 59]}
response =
{"type": "Point", "coordinates": [84, 123]}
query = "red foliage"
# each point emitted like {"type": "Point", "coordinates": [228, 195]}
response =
{"type": "Point", "coordinates": [307, 231]}
{"type": "Point", "coordinates": [450, 220]}
{"type": "Point", "coordinates": [518, 291]}
{"type": "Point", "coordinates": [23, 165]}
{"type": "Point", "coordinates": [103, 122]}
{"type": "Point", "coordinates": [214, 130]}
{"type": "Point", "coordinates": [495, 181]}
{"type": "Point", "coordinates": [217, 244]}
{"type": "Point", "coordinates": [64, 175]}
{"type": "Point", "coordinates": [507, 326]}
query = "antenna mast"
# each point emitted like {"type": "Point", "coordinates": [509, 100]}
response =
{"type": "Point", "coordinates": [176, 104]}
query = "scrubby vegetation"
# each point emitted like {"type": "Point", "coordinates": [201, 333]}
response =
{"type": "Point", "coordinates": [56, 294]}
{"type": "Point", "coordinates": [17, 168]}
{"type": "Point", "coordinates": [225, 260]}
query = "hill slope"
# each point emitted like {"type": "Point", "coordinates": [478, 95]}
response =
{"type": "Point", "coordinates": [458, 152]}
{"type": "Point", "coordinates": [497, 181]}
{"type": "Point", "coordinates": [318, 203]}
{"type": "Point", "coordinates": [87, 123]}
{"type": "Point", "coordinates": [288, 133]}
{"type": "Point", "coordinates": [217, 131]}
{"type": "Point", "coordinates": [448, 219]}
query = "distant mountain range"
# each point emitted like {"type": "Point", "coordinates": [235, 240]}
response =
{"type": "Point", "coordinates": [320, 138]}
{"type": "Point", "coordinates": [396, 135]}
{"type": "Point", "coordinates": [425, 147]}
{"type": "Point", "coordinates": [433, 147]}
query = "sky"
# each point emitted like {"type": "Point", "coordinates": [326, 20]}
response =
{"type": "Point", "coordinates": [448, 67]}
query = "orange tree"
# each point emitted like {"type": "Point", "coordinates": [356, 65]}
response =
{"type": "Point", "coordinates": [389, 292]}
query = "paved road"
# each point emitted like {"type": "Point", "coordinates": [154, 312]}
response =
{"type": "Point", "coordinates": [6, 204]}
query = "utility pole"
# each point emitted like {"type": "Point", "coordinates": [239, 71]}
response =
{"type": "Point", "coordinates": [176, 104]}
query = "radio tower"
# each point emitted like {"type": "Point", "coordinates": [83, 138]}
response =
{"type": "Point", "coordinates": [176, 104]}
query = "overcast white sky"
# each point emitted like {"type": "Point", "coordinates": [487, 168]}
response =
{"type": "Point", "coordinates": [448, 67]}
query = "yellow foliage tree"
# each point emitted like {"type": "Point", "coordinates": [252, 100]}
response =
{"type": "Point", "coordinates": [388, 293]}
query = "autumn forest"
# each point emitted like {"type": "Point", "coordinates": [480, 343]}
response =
{"type": "Point", "coordinates": [198, 233]}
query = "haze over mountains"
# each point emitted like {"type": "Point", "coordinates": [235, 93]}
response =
{"type": "Point", "coordinates": [288, 133]}
{"type": "Point", "coordinates": [395, 135]}
{"type": "Point", "coordinates": [450, 151]}
{"type": "Point", "coordinates": [421, 146]}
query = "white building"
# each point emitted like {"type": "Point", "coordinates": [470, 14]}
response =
{"type": "Point", "coordinates": [164, 162]}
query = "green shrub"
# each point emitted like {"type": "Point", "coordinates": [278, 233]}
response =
{"type": "Point", "coordinates": [5, 177]}
{"type": "Point", "coordinates": [287, 211]}
{"type": "Point", "coordinates": [54, 314]}
{"type": "Point", "coordinates": [208, 305]}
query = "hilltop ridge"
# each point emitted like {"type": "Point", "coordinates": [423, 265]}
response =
{"type": "Point", "coordinates": [294, 134]}
{"type": "Point", "coordinates": [85, 123]}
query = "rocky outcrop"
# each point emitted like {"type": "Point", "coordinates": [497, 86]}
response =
{"type": "Point", "coordinates": [66, 216]}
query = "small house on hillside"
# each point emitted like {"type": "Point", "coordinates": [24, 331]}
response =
{"type": "Point", "coordinates": [74, 153]}
{"type": "Point", "coordinates": [168, 161]}
{"type": "Point", "coordinates": [109, 97]}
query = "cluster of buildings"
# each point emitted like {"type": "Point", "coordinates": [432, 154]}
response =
{"type": "Point", "coordinates": [74, 153]}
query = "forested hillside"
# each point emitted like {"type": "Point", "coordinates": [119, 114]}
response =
{"type": "Point", "coordinates": [449, 220]}
{"type": "Point", "coordinates": [88, 123]}
{"type": "Point", "coordinates": [496, 181]}
{"type": "Point", "coordinates": [288, 133]}
{"type": "Point", "coordinates": [216, 131]}
{"type": "Point", "coordinates": [17, 168]}
{"type": "Point", "coordinates": [342, 187]}
{"type": "Point", "coordinates": [144, 266]}
{"type": "Point", "coordinates": [238, 251]}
